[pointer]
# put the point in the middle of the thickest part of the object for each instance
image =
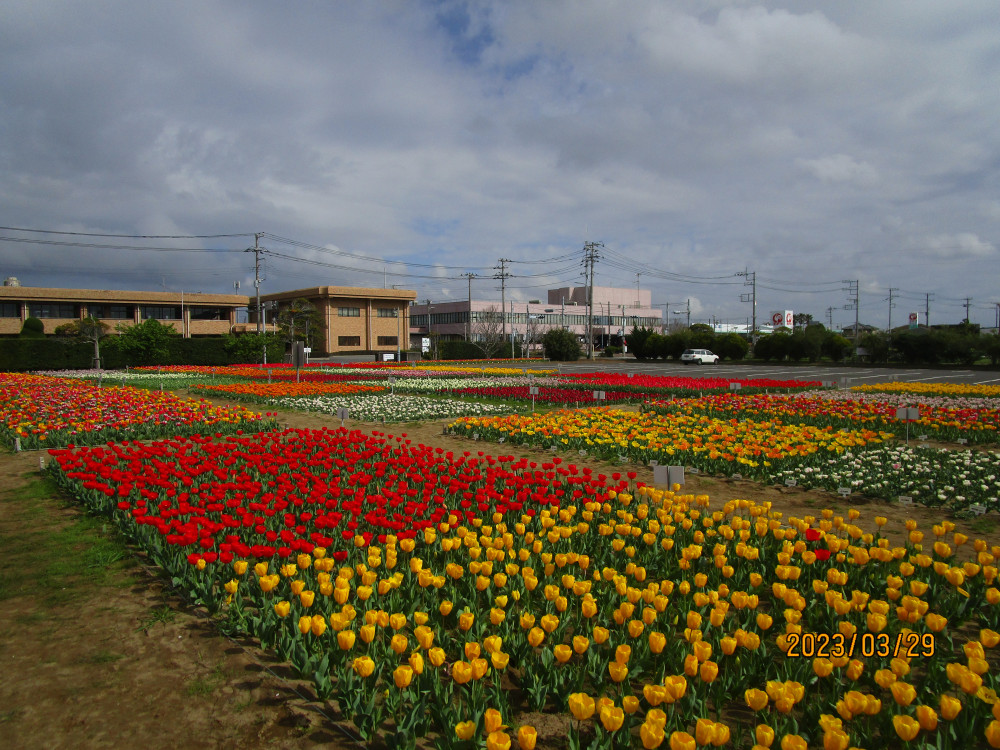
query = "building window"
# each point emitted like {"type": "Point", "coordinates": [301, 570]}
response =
{"type": "Point", "coordinates": [209, 313]}
{"type": "Point", "coordinates": [54, 310]}
{"type": "Point", "coordinates": [160, 312]}
{"type": "Point", "coordinates": [387, 340]}
{"type": "Point", "coordinates": [110, 312]}
{"type": "Point", "coordinates": [349, 312]}
{"type": "Point", "coordinates": [348, 341]}
{"type": "Point", "coordinates": [10, 309]}
{"type": "Point", "coordinates": [388, 312]}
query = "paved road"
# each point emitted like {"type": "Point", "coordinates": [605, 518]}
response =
{"type": "Point", "coordinates": [839, 375]}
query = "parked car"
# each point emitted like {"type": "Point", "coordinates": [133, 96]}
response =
{"type": "Point", "coordinates": [699, 357]}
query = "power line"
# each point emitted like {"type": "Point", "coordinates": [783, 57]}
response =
{"type": "Point", "coordinates": [129, 236]}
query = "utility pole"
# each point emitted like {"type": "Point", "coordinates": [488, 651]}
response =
{"type": "Point", "coordinates": [689, 312]}
{"type": "Point", "coordinates": [892, 289]}
{"type": "Point", "coordinates": [257, 250]}
{"type": "Point", "coordinates": [967, 301]}
{"type": "Point", "coordinates": [927, 309]}
{"type": "Point", "coordinates": [751, 281]}
{"type": "Point", "coordinates": [853, 288]}
{"type": "Point", "coordinates": [590, 256]}
{"type": "Point", "coordinates": [503, 276]}
{"type": "Point", "coordinates": [829, 318]}
{"type": "Point", "coordinates": [468, 323]}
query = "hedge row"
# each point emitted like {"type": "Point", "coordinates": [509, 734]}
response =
{"type": "Point", "coordinates": [19, 354]}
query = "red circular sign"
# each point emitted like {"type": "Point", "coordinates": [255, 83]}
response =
{"type": "Point", "coordinates": [778, 318]}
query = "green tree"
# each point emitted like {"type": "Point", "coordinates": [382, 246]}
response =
{"type": "Point", "coordinates": [731, 346]}
{"type": "Point", "coordinates": [89, 329]}
{"type": "Point", "coordinates": [248, 348]}
{"type": "Point", "coordinates": [32, 328]}
{"type": "Point", "coordinates": [702, 336]}
{"type": "Point", "coordinates": [636, 340]}
{"type": "Point", "coordinates": [299, 320]}
{"type": "Point", "coordinates": [561, 345]}
{"type": "Point", "coordinates": [674, 344]}
{"type": "Point", "coordinates": [876, 343]}
{"type": "Point", "coordinates": [145, 343]}
{"type": "Point", "coordinates": [835, 346]}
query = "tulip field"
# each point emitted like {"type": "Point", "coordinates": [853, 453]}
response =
{"type": "Point", "coordinates": [39, 411]}
{"type": "Point", "coordinates": [451, 598]}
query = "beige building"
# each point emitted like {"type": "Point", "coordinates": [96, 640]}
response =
{"type": "Point", "coordinates": [355, 319]}
{"type": "Point", "coordinates": [188, 313]}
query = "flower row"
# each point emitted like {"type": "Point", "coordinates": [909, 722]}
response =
{"type": "Point", "coordinates": [417, 587]}
{"type": "Point", "coordinates": [38, 411]}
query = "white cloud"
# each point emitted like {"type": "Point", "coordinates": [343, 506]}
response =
{"type": "Point", "coordinates": [807, 141]}
{"type": "Point", "coordinates": [839, 168]}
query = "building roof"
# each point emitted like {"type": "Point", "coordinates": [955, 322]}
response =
{"type": "Point", "coordinates": [117, 295]}
{"type": "Point", "coordinates": [356, 292]}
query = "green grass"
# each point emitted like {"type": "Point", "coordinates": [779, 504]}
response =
{"type": "Point", "coordinates": [201, 686]}
{"type": "Point", "coordinates": [161, 615]}
{"type": "Point", "coordinates": [54, 553]}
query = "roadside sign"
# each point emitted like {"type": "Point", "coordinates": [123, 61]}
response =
{"type": "Point", "coordinates": [914, 319]}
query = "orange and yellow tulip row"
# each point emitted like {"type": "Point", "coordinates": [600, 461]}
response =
{"type": "Point", "coordinates": [752, 448]}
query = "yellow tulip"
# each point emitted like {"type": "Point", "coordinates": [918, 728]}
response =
{"type": "Point", "coordinates": [993, 733]}
{"type": "Point", "coordinates": [618, 671]}
{"type": "Point", "coordinates": [581, 705]}
{"type": "Point", "coordinates": [461, 671]}
{"type": "Point", "coordinates": [465, 730]}
{"type": "Point", "coordinates": [281, 609]}
{"type": "Point", "coordinates": [612, 718]}
{"type": "Point", "coordinates": [345, 640]}
{"type": "Point", "coordinates": [363, 666]}
{"type": "Point", "coordinates": [527, 737]}
{"type": "Point", "coordinates": [681, 741]}
{"type": "Point", "coordinates": [402, 676]}
{"type": "Point", "coordinates": [493, 721]}
{"type": "Point", "coordinates": [950, 707]}
{"type": "Point", "coordinates": [927, 717]}
{"type": "Point", "coordinates": [651, 735]}
{"type": "Point", "coordinates": [709, 671]}
{"type": "Point", "coordinates": [793, 742]}
{"type": "Point", "coordinates": [756, 699]}
{"type": "Point", "coordinates": [562, 653]}
{"type": "Point", "coordinates": [906, 727]}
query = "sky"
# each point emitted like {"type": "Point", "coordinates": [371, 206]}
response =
{"type": "Point", "coordinates": [803, 144]}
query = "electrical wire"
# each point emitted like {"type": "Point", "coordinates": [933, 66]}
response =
{"type": "Point", "coordinates": [129, 236]}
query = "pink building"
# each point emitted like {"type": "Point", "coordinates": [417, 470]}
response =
{"type": "Point", "coordinates": [615, 311]}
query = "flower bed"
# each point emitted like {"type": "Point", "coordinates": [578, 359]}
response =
{"type": "Point", "coordinates": [42, 411]}
{"type": "Point", "coordinates": [931, 389]}
{"type": "Point", "coordinates": [953, 479]}
{"type": "Point", "coordinates": [974, 425]}
{"type": "Point", "coordinates": [393, 408]}
{"type": "Point", "coordinates": [719, 446]}
{"type": "Point", "coordinates": [684, 385]}
{"type": "Point", "coordinates": [269, 392]}
{"type": "Point", "coordinates": [416, 587]}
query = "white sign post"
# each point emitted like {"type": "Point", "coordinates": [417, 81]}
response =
{"type": "Point", "coordinates": [907, 414]}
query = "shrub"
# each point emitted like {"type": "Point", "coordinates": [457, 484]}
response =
{"type": "Point", "coordinates": [32, 328]}
{"type": "Point", "coordinates": [561, 345]}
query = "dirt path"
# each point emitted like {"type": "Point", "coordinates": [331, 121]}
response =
{"type": "Point", "coordinates": [116, 660]}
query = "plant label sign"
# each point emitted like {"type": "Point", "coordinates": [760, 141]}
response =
{"type": "Point", "coordinates": [599, 395]}
{"type": "Point", "coordinates": [790, 483]}
{"type": "Point", "coordinates": [907, 413]}
{"type": "Point", "coordinates": [905, 501]}
{"type": "Point", "coordinates": [533, 390]}
{"type": "Point", "coordinates": [977, 509]}
{"type": "Point", "coordinates": [844, 491]}
{"type": "Point", "coordinates": [735, 386]}
{"type": "Point", "coordinates": [660, 475]}
{"type": "Point", "coordinates": [675, 475]}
